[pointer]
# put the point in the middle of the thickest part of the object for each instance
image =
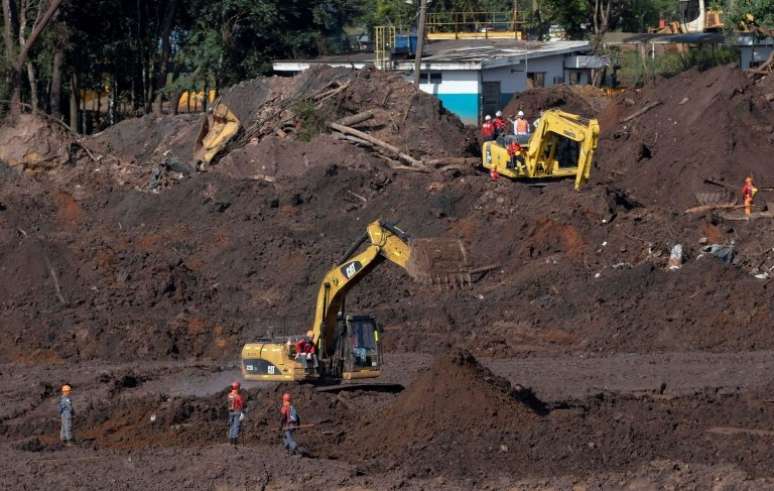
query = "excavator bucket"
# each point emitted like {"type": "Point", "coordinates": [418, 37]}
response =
{"type": "Point", "coordinates": [441, 262]}
{"type": "Point", "coordinates": [721, 198]}
{"type": "Point", "coordinates": [215, 132]}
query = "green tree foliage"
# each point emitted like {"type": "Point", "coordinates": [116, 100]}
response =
{"type": "Point", "coordinates": [761, 10]}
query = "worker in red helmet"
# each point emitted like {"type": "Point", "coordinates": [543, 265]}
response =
{"type": "Point", "coordinates": [289, 421]}
{"type": "Point", "coordinates": [236, 406]}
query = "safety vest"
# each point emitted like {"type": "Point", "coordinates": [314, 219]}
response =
{"type": "Point", "coordinates": [521, 127]}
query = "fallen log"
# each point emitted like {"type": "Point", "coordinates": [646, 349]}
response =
{"type": "Point", "coordinates": [641, 111]}
{"type": "Point", "coordinates": [396, 165]}
{"type": "Point", "coordinates": [377, 142]}
{"type": "Point", "coordinates": [356, 118]}
{"type": "Point", "coordinates": [453, 161]}
{"type": "Point", "coordinates": [354, 139]}
{"type": "Point", "coordinates": [703, 208]}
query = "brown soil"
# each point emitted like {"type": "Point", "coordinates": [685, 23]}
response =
{"type": "Point", "coordinates": [577, 99]}
{"type": "Point", "coordinates": [711, 125]}
{"type": "Point", "coordinates": [95, 269]}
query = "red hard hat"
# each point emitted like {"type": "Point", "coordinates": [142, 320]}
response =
{"type": "Point", "coordinates": [285, 397]}
{"type": "Point", "coordinates": [235, 385]}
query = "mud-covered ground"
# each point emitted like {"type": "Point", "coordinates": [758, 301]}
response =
{"type": "Point", "coordinates": [607, 369]}
{"type": "Point", "coordinates": [685, 420]}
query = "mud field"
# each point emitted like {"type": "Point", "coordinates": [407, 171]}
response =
{"type": "Point", "coordinates": [574, 360]}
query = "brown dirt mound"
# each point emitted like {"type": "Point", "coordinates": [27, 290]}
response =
{"type": "Point", "coordinates": [33, 143]}
{"type": "Point", "coordinates": [285, 119]}
{"type": "Point", "coordinates": [714, 125]}
{"type": "Point", "coordinates": [457, 408]}
{"type": "Point", "coordinates": [576, 99]}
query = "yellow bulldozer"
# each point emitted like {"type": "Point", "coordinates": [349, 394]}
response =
{"type": "Point", "coordinates": [562, 145]}
{"type": "Point", "coordinates": [348, 347]}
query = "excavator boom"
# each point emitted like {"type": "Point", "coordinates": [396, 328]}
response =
{"type": "Point", "coordinates": [348, 346]}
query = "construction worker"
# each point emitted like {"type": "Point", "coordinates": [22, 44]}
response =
{"type": "Point", "coordinates": [236, 414]}
{"type": "Point", "coordinates": [305, 350]}
{"type": "Point", "coordinates": [515, 154]}
{"type": "Point", "coordinates": [289, 421]}
{"type": "Point", "coordinates": [520, 124]}
{"type": "Point", "coordinates": [748, 193]}
{"type": "Point", "coordinates": [499, 124]}
{"type": "Point", "coordinates": [487, 129]}
{"type": "Point", "coordinates": [66, 413]}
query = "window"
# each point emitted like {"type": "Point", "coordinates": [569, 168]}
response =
{"type": "Point", "coordinates": [430, 78]}
{"type": "Point", "coordinates": [536, 79]}
{"type": "Point", "coordinates": [575, 77]}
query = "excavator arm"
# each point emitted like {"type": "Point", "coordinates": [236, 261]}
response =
{"type": "Point", "coordinates": [563, 145]}
{"type": "Point", "coordinates": [383, 241]}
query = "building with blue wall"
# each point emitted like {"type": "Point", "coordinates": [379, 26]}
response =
{"type": "Point", "coordinates": [472, 78]}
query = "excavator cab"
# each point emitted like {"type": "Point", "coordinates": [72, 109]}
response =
{"type": "Point", "coordinates": [360, 348]}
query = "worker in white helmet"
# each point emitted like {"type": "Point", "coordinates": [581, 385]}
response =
{"type": "Point", "coordinates": [500, 124]}
{"type": "Point", "coordinates": [487, 129]}
{"type": "Point", "coordinates": [520, 124]}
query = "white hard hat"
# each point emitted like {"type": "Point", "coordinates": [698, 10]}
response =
{"type": "Point", "coordinates": [521, 113]}
{"type": "Point", "coordinates": [499, 113]}
{"type": "Point", "coordinates": [487, 117]}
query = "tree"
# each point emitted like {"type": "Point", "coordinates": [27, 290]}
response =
{"type": "Point", "coordinates": [16, 60]}
{"type": "Point", "coordinates": [761, 10]}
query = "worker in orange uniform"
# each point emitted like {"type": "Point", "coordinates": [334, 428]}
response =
{"type": "Point", "coordinates": [514, 152]}
{"type": "Point", "coordinates": [520, 124]}
{"type": "Point", "coordinates": [487, 129]}
{"type": "Point", "coordinates": [289, 421]}
{"type": "Point", "coordinates": [748, 193]}
{"type": "Point", "coordinates": [236, 406]}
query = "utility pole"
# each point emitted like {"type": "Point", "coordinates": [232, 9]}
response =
{"type": "Point", "coordinates": [420, 41]}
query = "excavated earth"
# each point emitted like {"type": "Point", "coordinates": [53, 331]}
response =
{"type": "Point", "coordinates": [142, 296]}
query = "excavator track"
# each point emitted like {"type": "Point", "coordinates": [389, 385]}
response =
{"type": "Point", "coordinates": [367, 386]}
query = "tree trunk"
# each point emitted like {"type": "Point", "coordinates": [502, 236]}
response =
{"type": "Point", "coordinates": [206, 98]}
{"type": "Point", "coordinates": [32, 76]}
{"type": "Point", "coordinates": [163, 66]}
{"type": "Point", "coordinates": [16, 62]}
{"type": "Point", "coordinates": [16, 81]}
{"type": "Point", "coordinates": [113, 101]}
{"type": "Point", "coordinates": [55, 99]}
{"type": "Point", "coordinates": [74, 102]}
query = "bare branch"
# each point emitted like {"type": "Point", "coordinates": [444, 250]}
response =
{"type": "Point", "coordinates": [37, 29]}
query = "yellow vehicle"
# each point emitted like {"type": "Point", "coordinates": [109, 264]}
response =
{"type": "Point", "coordinates": [350, 346]}
{"type": "Point", "coordinates": [562, 145]}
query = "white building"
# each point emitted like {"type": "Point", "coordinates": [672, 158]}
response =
{"type": "Point", "coordinates": [753, 51]}
{"type": "Point", "coordinates": [476, 77]}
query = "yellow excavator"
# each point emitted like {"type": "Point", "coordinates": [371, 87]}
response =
{"type": "Point", "coordinates": [562, 145]}
{"type": "Point", "coordinates": [348, 347]}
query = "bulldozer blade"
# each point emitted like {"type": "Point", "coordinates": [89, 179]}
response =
{"type": "Point", "coordinates": [442, 262]}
